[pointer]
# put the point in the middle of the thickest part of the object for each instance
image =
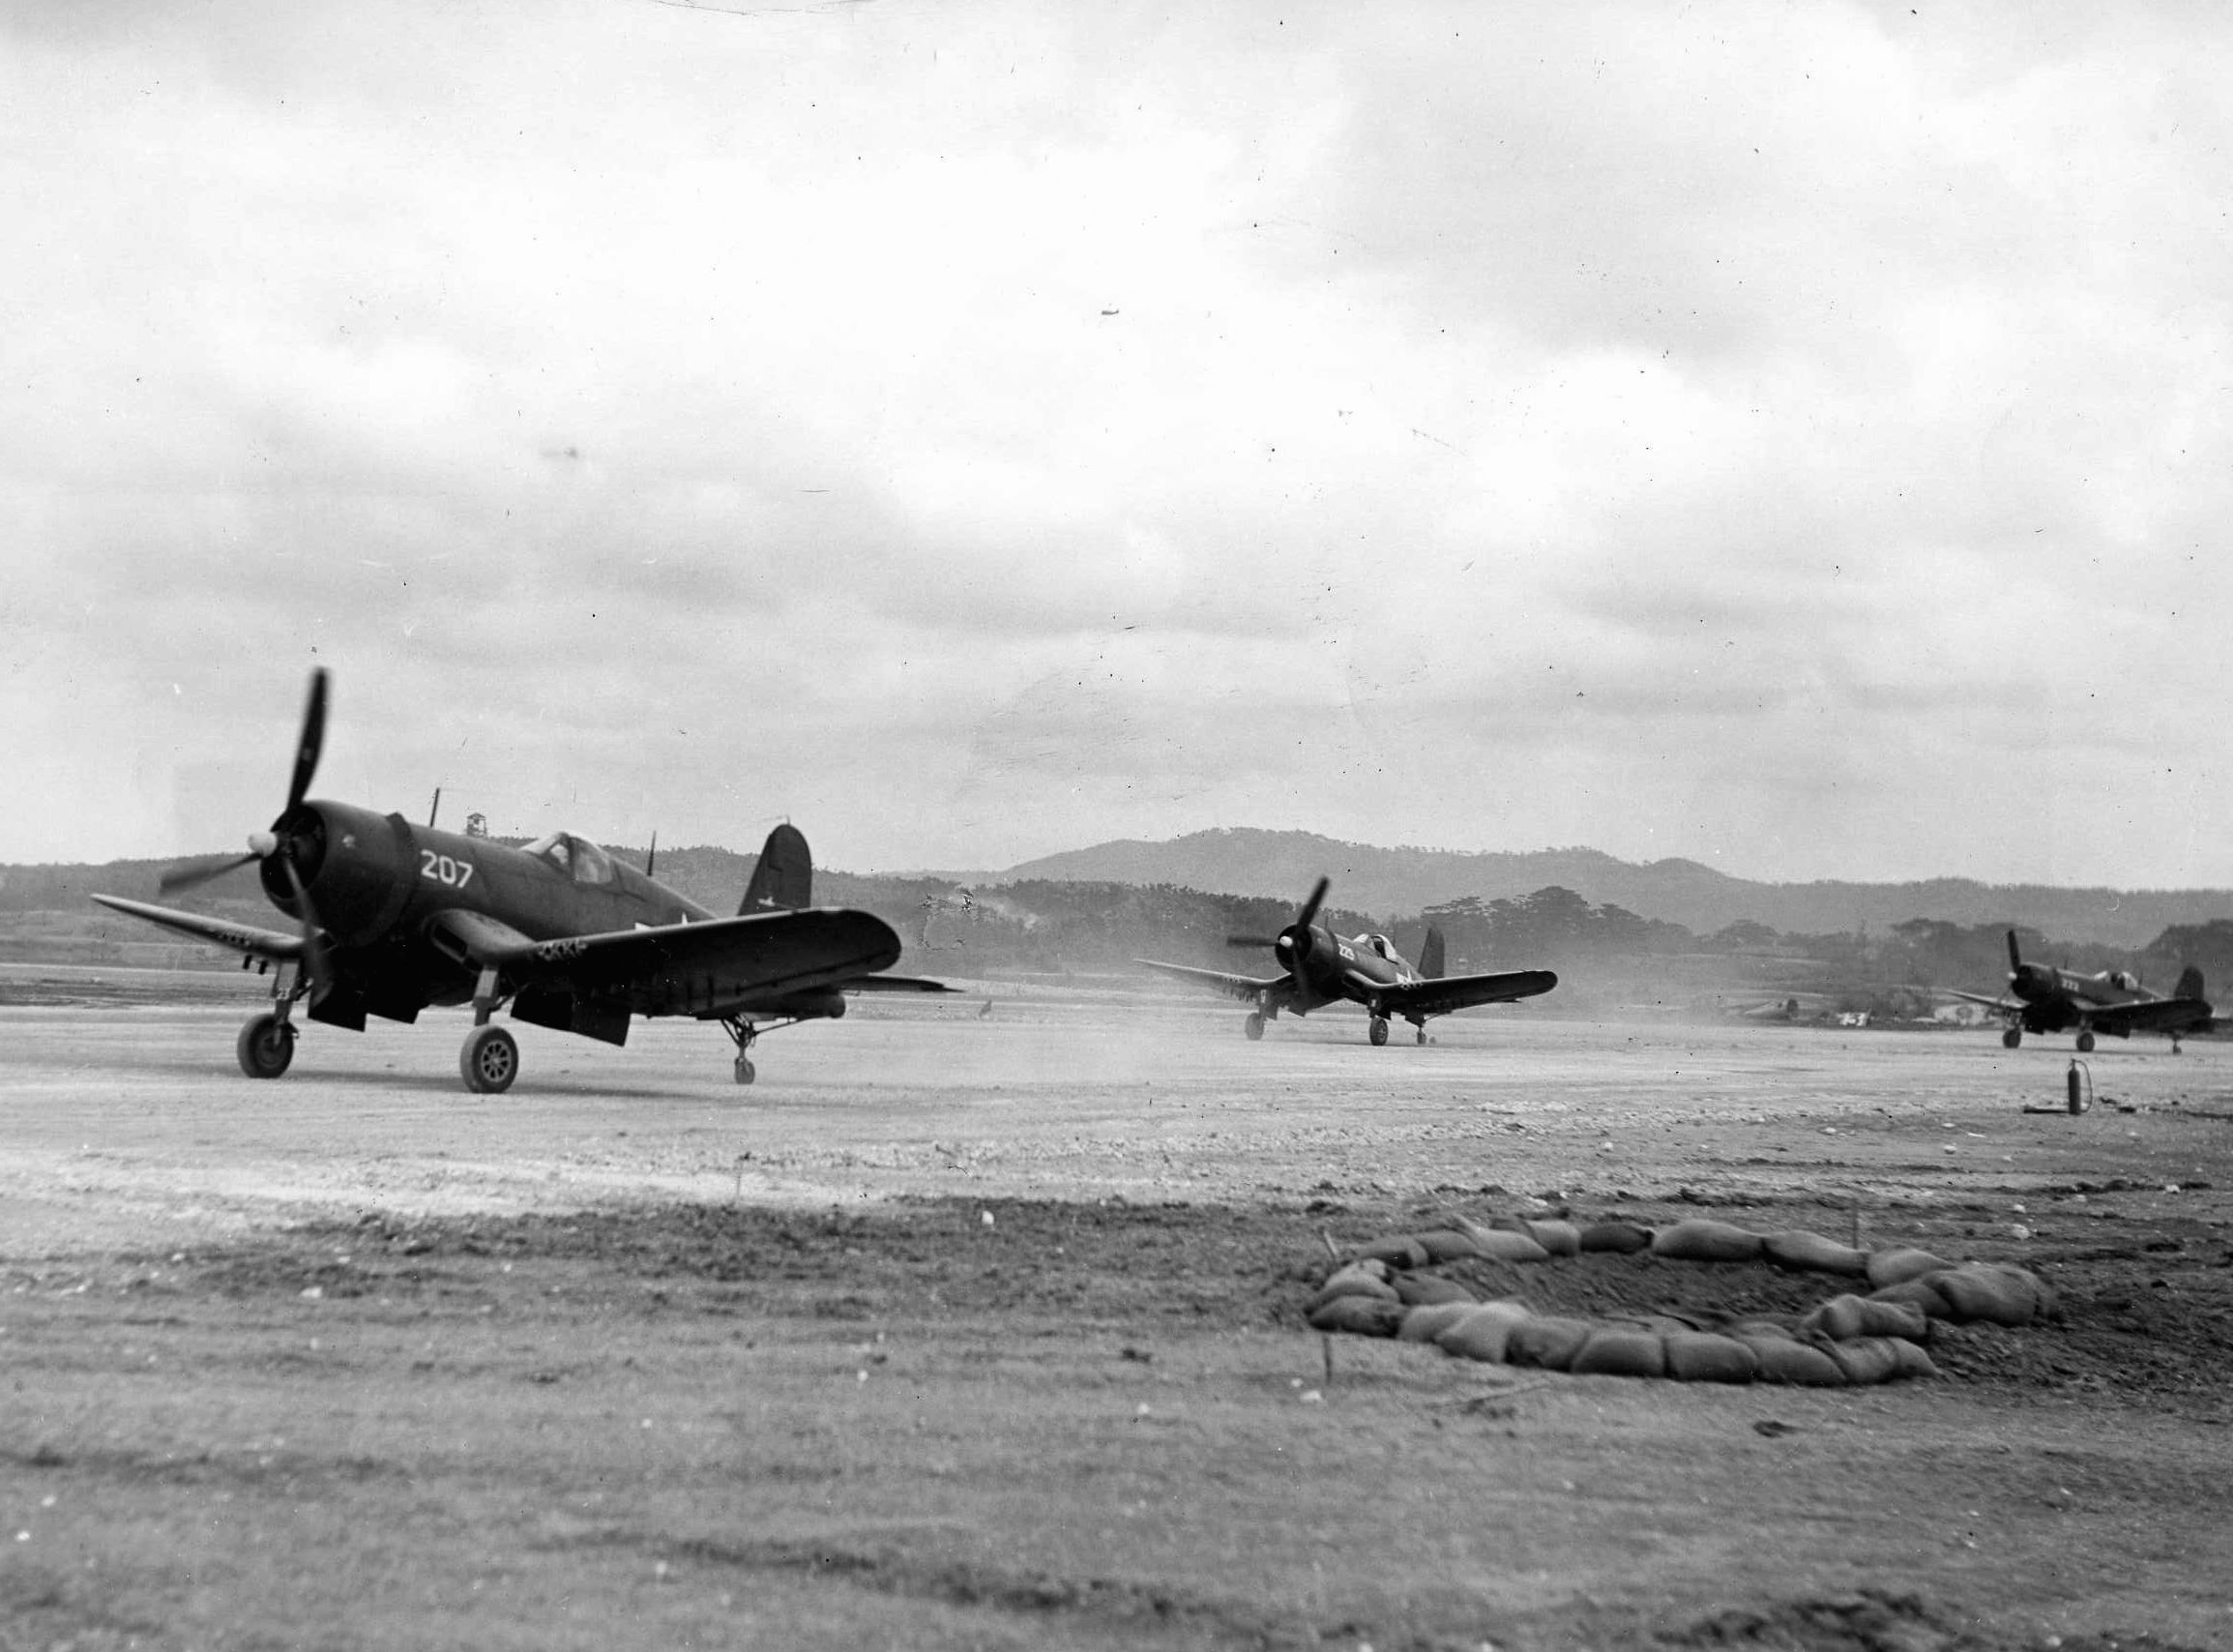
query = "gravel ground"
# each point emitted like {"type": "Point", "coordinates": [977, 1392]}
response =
{"type": "Point", "coordinates": [967, 1328]}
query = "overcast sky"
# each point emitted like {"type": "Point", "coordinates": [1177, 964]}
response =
{"type": "Point", "coordinates": [1794, 437]}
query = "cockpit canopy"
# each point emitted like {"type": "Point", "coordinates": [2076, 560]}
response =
{"type": "Point", "coordinates": [576, 858]}
{"type": "Point", "coordinates": [1379, 944]}
{"type": "Point", "coordinates": [2126, 980]}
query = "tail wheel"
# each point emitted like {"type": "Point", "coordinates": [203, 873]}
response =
{"type": "Point", "coordinates": [1378, 1031]}
{"type": "Point", "coordinates": [265, 1047]}
{"type": "Point", "coordinates": [1254, 1026]}
{"type": "Point", "coordinates": [489, 1061]}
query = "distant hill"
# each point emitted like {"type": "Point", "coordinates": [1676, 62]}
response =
{"type": "Point", "coordinates": [1245, 861]}
{"type": "Point", "coordinates": [1389, 885]}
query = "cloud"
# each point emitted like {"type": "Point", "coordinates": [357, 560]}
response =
{"type": "Point", "coordinates": [976, 431]}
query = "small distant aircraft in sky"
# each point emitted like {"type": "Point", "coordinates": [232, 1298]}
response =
{"type": "Point", "coordinates": [2047, 999]}
{"type": "Point", "coordinates": [1323, 968]}
{"type": "Point", "coordinates": [392, 918]}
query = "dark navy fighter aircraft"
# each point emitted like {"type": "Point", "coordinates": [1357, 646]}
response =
{"type": "Point", "coordinates": [1323, 968]}
{"type": "Point", "coordinates": [391, 918]}
{"type": "Point", "coordinates": [2047, 999]}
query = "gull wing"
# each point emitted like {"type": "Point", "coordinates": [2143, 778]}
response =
{"type": "Point", "coordinates": [2149, 1014]}
{"type": "Point", "coordinates": [1444, 993]}
{"type": "Point", "coordinates": [246, 939]}
{"type": "Point", "coordinates": [2005, 1006]}
{"type": "Point", "coordinates": [1248, 988]}
{"type": "Point", "coordinates": [717, 967]}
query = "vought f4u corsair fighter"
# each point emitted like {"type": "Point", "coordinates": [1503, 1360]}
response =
{"type": "Point", "coordinates": [391, 918]}
{"type": "Point", "coordinates": [2047, 999]}
{"type": "Point", "coordinates": [1323, 968]}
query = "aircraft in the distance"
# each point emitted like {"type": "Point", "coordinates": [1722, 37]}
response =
{"type": "Point", "coordinates": [2047, 999]}
{"type": "Point", "coordinates": [392, 917]}
{"type": "Point", "coordinates": [1322, 968]}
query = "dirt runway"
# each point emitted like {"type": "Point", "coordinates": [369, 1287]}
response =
{"type": "Point", "coordinates": [966, 1328]}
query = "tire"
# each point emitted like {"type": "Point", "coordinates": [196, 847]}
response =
{"type": "Point", "coordinates": [2013, 1037]}
{"type": "Point", "coordinates": [1378, 1031]}
{"type": "Point", "coordinates": [1422, 1035]}
{"type": "Point", "coordinates": [746, 1072]}
{"type": "Point", "coordinates": [1254, 1026]}
{"type": "Point", "coordinates": [265, 1047]}
{"type": "Point", "coordinates": [2085, 1043]}
{"type": "Point", "coordinates": [489, 1061]}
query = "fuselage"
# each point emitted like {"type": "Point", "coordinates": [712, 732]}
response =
{"type": "Point", "coordinates": [1334, 969]}
{"type": "Point", "coordinates": [376, 881]}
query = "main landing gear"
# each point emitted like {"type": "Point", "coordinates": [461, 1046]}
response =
{"type": "Point", "coordinates": [1420, 1030]}
{"type": "Point", "coordinates": [490, 1060]}
{"type": "Point", "coordinates": [2085, 1043]}
{"type": "Point", "coordinates": [744, 1033]}
{"type": "Point", "coordinates": [1377, 1032]}
{"type": "Point", "coordinates": [1254, 1026]}
{"type": "Point", "coordinates": [2011, 1039]}
{"type": "Point", "coordinates": [266, 1045]}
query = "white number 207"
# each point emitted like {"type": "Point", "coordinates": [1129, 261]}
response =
{"type": "Point", "coordinates": [441, 869]}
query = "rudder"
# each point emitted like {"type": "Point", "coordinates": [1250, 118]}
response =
{"type": "Point", "coordinates": [784, 878]}
{"type": "Point", "coordinates": [2190, 984]}
{"type": "Point", "coordinates": [1430, 954]}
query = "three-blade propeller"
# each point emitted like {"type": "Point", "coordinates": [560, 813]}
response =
{"type": "Point", "coordinates": [1295, 941]}
{"type": "Point", "coordinates": [263, 845]}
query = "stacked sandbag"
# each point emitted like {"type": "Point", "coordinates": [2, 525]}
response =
{"type": "Point", "coordinates": [1621, 1350]}
{"type": "Point", "coordinates": [1703, 1356]}
{"type": "Point", "coordinates": [1547, 1341]}
{"type": "Point", "coordinates": [1447, 1245]}
{"type": "Point", "coordinates": [1418, 1290]}
{"type": "Point", "coordinates": [1801, 1251]}
{"type": "Point", "coordinates": [1620, 1238]}
{"type": "Point", "coordinates": [1992, 1292]}
{"type": "Point", "coordinates": [1485, 1333]}
{"type": "Point", "coordinates": [1557, 1238]}
{"type": "Point", "coordinates": [1364, 1277]}
{"type": "Point", "coordinates": [1782, 1357]}
{"type": "Point", "coordinates": [1848, 1318]}
{"type": "Point", "coordinates": [1898, 1264]}
{"type": "Point", "coordinates": [1426, 1322]}
{"type": "Point", "coordinates": [1360, 1315]}
{"type": "Point", "coordinates": [1849, 1339]}
{"type": "Point", "coordinates": [1701, 1239]}
{"type": "Point", "coordinates": [1397, 1251]}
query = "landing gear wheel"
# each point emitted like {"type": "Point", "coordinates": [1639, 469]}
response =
{"type": "Point", "coordinates": [2011, 1038]}
{"type": "Point", "coordinates": [746, 1072]}
{"type": "Point", "coordinates": [489, 1061]}
{"type": "Point", "coordinates": [2085, 1043]}
{"type": "Point", "coordinates": [1254, 1026]}
{"type": "Point", "coordinates": [1378, 1031]}
{"type": "Point", "coordinates": [1422, 1035]}
{"type": "Point", "coordinates": [265, 1047]}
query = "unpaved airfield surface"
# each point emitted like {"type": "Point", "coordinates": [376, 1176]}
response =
{"type": "Point", "coordinates": [968, 1329]}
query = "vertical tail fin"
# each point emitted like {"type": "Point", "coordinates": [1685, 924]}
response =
{"type": "Point", "coordinates": [2190, 984]}
{"type": "Point", "coordinates": [1430, 954]}
{"type": "Point", "coordinates": [784, 878]}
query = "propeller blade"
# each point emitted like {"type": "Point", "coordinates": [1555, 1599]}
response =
{"type": "Point", "coordinates": [1252, 940]}
{"type": "Point", "coordinates": [313, 740]}
{"type": "Point", "coordinates": [204, 868]}
{"type": "Point", "coordinates": [314, 946]}
{"type": "Point", "coordinates": [2015, 962]}
{"type": "Point", "coordinates": [1310, 913]}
